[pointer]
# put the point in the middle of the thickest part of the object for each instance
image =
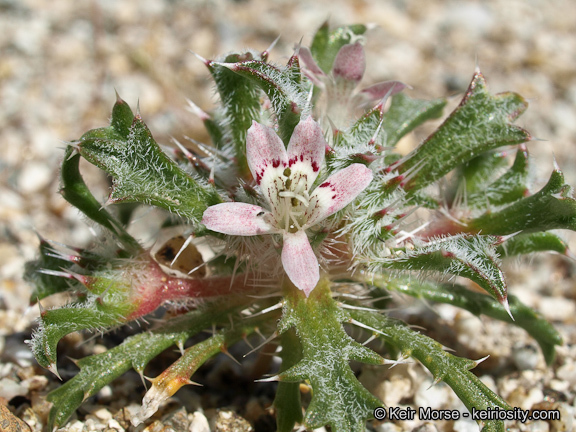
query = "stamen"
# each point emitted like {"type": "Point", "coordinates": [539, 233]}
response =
{"type": "Point", "coordinates": [290, 194]}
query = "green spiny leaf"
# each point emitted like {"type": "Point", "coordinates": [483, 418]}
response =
{"type": "Point", "coordinates": [142, 173]}
{"type": "Point", "coordinates": [480, 123]}
{"type": "Point", "coordinates": [338, 399]}
{"type": "Point", "coordinates": [240, 106]}
{"type": "Point", "coordinates": [553, 207]}
{"type": "Point", "coordinates": [478, 304]}
{"type": "Point", "coordinates": [135, 352]}
{"type": "Point", "coordinates": [287, 96]}
{"type": "Point", "coordinates": [75, 191]}
{"type": "Point", "coordinates": [534, 242]}
{"type": "Point", "coordinates": [46, 284]}
{"type": "Point", "coordinates": [473, 257]}
{"type": "Point", "coordinates": [509, 187]}
{"type": "Point", "coordinates": [454, 371]}
{"type": "Point", "coordinates": [405, 114]}
{"type": "Point", "coordinates": [287, 401]}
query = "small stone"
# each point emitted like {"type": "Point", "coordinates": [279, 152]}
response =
{"type": "Point", "coordinates": [426, 427]}
{"type": "Point", "coordinates": [539, 426]}
{"type": "Point", "coordinates": [525, 356]}
{"type": "Point", "coordinates": [229, 421]}
{"type": "Point", "coordinates": [198, 423]}
{"type": "Point", "coordinates": [102, 414]}
{"type": "Point", "coordinates": [10, 423]}
{"type": "Point", "coordinates": [34, 177]}
{"type": "Point", "coordinates": [567, 372]}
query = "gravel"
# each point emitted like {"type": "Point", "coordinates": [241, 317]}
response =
{"type": "Point", "coordinates": [60, 62]}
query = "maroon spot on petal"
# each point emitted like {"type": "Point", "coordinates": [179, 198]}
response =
{"type": "Point", "coordinates": [315, 166]}
{"type": "Point", "coordinates": [276, 163]}
{"type": "Point", "coordinates": [301, 158]}
{"type": "Point", "coordinates": [258, 177]}
{"type": "Point", "coordinates": [325, 184]}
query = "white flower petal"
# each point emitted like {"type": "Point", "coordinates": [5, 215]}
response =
{"type": "Point", "coordinates": [238, 219]}
{"type": "Point", "coordinates": [337, 192]}
{"type": "Point", "coordinates": [299, 261]}
{"type": "Point", "coordinates": [265, 152]}
{"type": "Point", "coordinates": [306, 151]}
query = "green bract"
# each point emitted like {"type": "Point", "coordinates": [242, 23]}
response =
{"type": "Point", "coordinates": [366, 238]}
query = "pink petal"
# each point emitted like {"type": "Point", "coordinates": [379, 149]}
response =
{"type": "Point", "coordinates": [306, 151]}
{"type": "Point", "coordinates": [339, 190]}
{"type": "Point", "coordinates": [265, 152]}
{"type": "Point", "coordinates": [310, 67]}
{"type": "Point", "coordinates": [299, 261]}
{"type": "Point", "coordinates": [350, 63]}
{"type": "Point", "coordinates": [238, 219]}
{"type": "Point", "coordinates": [380, 90]}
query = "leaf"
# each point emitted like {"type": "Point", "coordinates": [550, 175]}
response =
{"type": "Point", "coordinates": [553, 207]}
{"type": "Point", "coordinates": [135, 352]}
{"type": "Point", "coordinates": [480, 123]}
{"type": "Point", "coordinates": [338, 399]}
{"type": "Point", "coordinates": [179, 373]}
{"type": "Point", "coordinates": [478, 304]}
{"type": "Point", "coordinates": [54, 324]}
{"type": "Point", "coordinates": [46, 284]}
{"type": "Point", "coordinates": [509, 187]}
{"type": "Point", "coordinates": [406, 114]}
{"type": "Point", "coordinates": [326, 44]}
{"type": "Point", "coordinates": [240, 98]}
{"type": "Point", "coordinates": [534, 242]}
{"type": "Point", "coordinates": [473, 257]}
{"type": "Point", "coordinates": [141, 172]}
{"type": "Point", "coordinates": [454, 371]}
{"type": "Point", "coordinates": [287, 400]}
{"type": "Point", "coordinates": [288, 97]}
{"type": "Point", "coordinates": [75, 191]}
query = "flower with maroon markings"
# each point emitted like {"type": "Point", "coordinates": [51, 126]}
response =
{"type": "Point", "coordinates": [285, 177]}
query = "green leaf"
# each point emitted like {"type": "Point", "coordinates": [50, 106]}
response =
{"type": "Point", "coordinates": [54, 324]}
{"type": "Point", "coordinates": [326, 43]}
{"type": "Point", "coordinates": [287, 400]}
{"type": "Point", "coordinates": [473, 257]}
{"type": "Point", "coordinates": [479, 304]}
{"type": "Point", "coordinates": [135, 352]}
{"type": "Point", "coordinates": [141, 172]}
{"type": "Point", "coordinates": [454, 371]}
{"type": "Point", "coordinates": [240, 98]}
{"type": "Point", "coordinates": [406, 114]}
{"type": "Point", "coordinates": [288, 97]}
{"type": "Point", "coordinates": [534, 242]}
{"type": "Point", "coordinates": [509, 187]}
{"type": "Point", "coordinates": [75, 191]}
{"type": "Point", "coordinates": [47, 284]}
{"type": "Point", "coordinates": [338, 399]}
{"type": "Point", "coordinates": [480, 123]}
{"type": "Point", "coordinates": [553, 207]}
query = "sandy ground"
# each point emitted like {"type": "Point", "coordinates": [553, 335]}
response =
{"type": "Point", "coordinates": [60, 62]}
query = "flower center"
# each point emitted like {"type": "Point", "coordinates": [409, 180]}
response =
{"type": "Point", "coordinates": [294, 200]}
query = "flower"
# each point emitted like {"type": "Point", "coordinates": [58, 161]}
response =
{"type": "Point", "coordinates": [285, 177]}
{"type": "Point", "coordinates": [347, 71]}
